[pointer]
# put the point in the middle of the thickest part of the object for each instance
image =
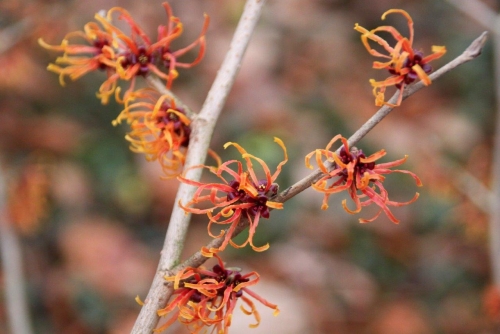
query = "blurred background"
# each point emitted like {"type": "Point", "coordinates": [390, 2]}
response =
{"type": "Point", "coordinates": [304, 79]}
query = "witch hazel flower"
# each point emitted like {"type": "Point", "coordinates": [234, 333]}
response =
{"type": "Point", "coordinates": [240, 194]}
{"type": "Point", "coordinates": [159, 129]}
{"type": "Point", "coordinates": [404, 63]}
{"type": "Point", "coordinates": [207, 298]}
{"type": "Point", "coordinates": [361, 176]}
{"type": "Point", "coordinates": [138, 55]}
{"type": "Point", "coordinates": [124, 55]}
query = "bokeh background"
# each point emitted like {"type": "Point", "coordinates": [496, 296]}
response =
{"type": "Point", "coordinates": [304, 79]}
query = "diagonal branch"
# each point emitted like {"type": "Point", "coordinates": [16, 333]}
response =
{"type": "Point", "coordinates": [472, 52]}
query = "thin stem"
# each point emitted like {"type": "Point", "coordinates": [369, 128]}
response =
{"type": "Point", "coordinates": [157, 84]}
{"type": "Point", "coordinates": [494, 208]}
{"type": "Point", "coordinates": [486, 17]}
{"type": "Point", "coordinates": [472, 52]}
{"type": "Point", "coordinates": [10, 245]}
{"type": "Point", "coordinates": [203, 126]}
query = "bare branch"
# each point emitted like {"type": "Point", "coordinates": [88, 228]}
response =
{"type": "Point", "coordinates": [203, 126]}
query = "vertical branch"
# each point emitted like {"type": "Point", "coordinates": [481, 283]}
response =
{"type": "Point", "coordinates": [486, 17]}
{"type": "Point", "coordinates": [10, 246]}
{"type": "Point", "coordinates": [494, 225]}
{"type": "Point", "coordinates": [203, 126]}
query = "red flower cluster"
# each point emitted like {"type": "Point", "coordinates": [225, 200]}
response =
{"type": "Point", "coordinates": [353, 171]}
{"type": "Point", "coordinates": [205, 298]}
{"type": "Point", "coordinates": [405, 64]}
{"type": "Point", "coordinates": [244, 196]}
{"type": "Point", "coordinates": [123, 56]}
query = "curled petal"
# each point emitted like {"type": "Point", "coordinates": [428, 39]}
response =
{"type": "Point", "coordinates": [285, 159]}
{"type": "Point", "coordinates": [139, 301]}
{"type": "Point", "coordinates": [437, 52]}
{"type": "Point", "coordinates": [422, 75]}
{"type": "Point", "coordinates": [406, 15]}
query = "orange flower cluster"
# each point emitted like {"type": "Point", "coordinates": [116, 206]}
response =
{"type": "Point", "coordinates": [353, 171]}
{"type": "Point", "coordinates": [159, 129]}
{"type": "Point", "coordinates": [206, 298]}
{"type": "Point", "coordinates": [27, 198]}
{"type": "Point", "coordinates": [123, 56]}
{"type": "Point", "coordinates": [244, 196]}
{"type": "Point", "coordinates": [405, 64]}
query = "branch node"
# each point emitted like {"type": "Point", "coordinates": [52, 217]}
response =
{"type": "Point", "coordinates": [475, 49]}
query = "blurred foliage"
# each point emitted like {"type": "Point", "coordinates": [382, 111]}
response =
{"type": "Point", "coordinates": [304, 79]}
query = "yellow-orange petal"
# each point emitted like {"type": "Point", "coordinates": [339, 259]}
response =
{"type": "Point", "coordinates": [139, 301]}
{"type": "Point", "coordinates": [399, 11]}
{"type": "Point", "coordinates": [307, 160]}
{"type": "Point", "coordinates": [421, 74]}
{"type": "Point", "coordinates": [207, 252]}
{"type": "Point", "coordinates": [285, 159]}
{"type": "Point", "coordinates": [344, 205]}
{"type": "Point", "coordinates": [274, 205]}
{"type": "Point", "coordinates": [408, 18]}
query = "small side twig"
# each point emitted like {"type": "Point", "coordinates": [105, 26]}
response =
{"type": "Point", "coordinates": [159, 85]}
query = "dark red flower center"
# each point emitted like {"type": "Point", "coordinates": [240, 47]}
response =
{"type": "Point", "coordinates": [99, 44]}
{"type": "Point", "coordinates": [259, 202]}
{"type": "Point", "coordinates": [355, 155]}
{"type": "Point", "coordinates": [142, 57]}
{"type": "Point", "coordinates": [180, 128]}
{"type": "Point", "coordinates": [231, 278]}
{"type": "Point", "coordinates": [411, 76]}
{"type": "Point", "coordinates": [196, 297]}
